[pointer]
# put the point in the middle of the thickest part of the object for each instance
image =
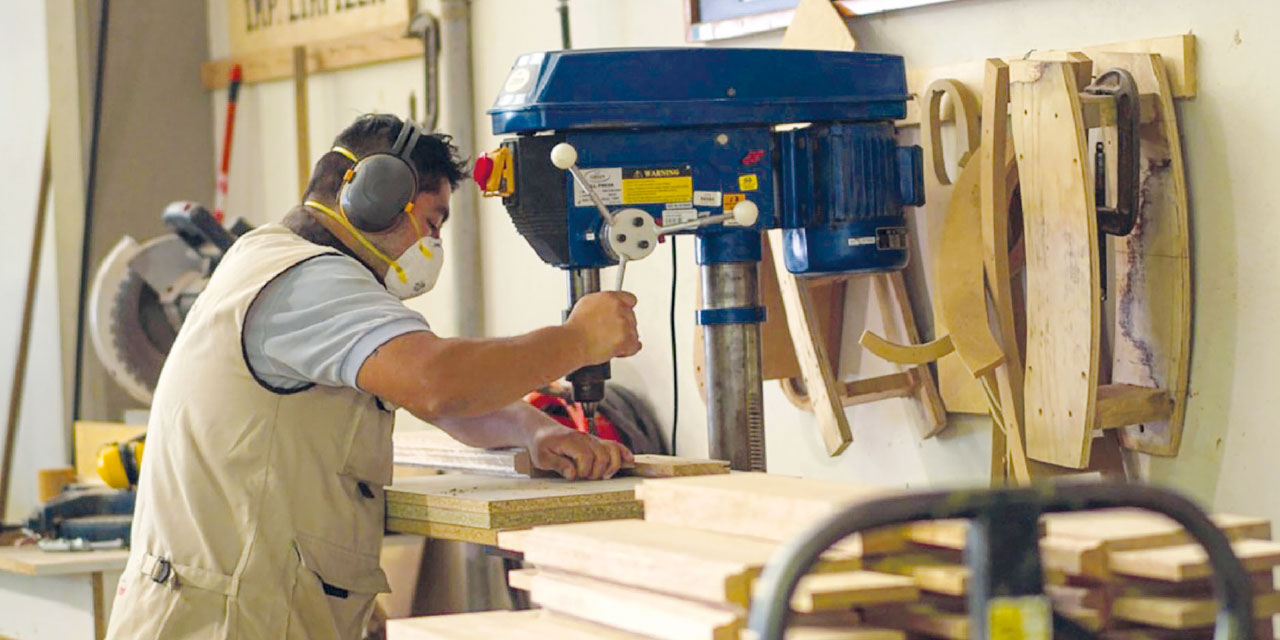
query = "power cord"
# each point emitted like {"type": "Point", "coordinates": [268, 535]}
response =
{"type": "Point", "coordinates": [675, 370]}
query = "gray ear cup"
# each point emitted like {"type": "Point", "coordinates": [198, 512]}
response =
{"type": "Point", "coordinates": [378, 192]}
{"type": "Point", "coordinates": [382, 184]}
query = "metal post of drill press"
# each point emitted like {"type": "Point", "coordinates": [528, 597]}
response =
{"type": "Point", "coordinates": [735, 409]}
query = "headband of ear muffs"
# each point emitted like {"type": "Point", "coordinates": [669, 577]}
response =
{"type": "Point", "coordinates": [382, 185]}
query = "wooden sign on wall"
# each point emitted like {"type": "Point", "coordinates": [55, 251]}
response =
{"type": "Point", "coordinates": [257, 25]}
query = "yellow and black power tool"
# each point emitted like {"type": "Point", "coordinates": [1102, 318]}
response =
{"type": "Point", "coordinates": [119, 462]}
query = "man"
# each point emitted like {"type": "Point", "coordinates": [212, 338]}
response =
{"type": "Point", "coordinates": [260, 504]}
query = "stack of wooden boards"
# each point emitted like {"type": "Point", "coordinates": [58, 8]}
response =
{"type": "Point", "coordinates": [1124, 574]}
{"type": "Point", "coordinates": [687, 570]}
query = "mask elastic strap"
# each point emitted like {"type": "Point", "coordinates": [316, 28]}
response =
{"type": "Point", "coordinates": [346, 224]}
{"type": "Point", "coordinates": [418, 230]}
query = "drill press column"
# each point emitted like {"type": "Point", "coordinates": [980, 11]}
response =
{"type": "Point", "coordinates": [735, 408]}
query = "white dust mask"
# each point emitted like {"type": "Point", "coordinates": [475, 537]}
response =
{"type": "Point", "coordinates": [418, 269]}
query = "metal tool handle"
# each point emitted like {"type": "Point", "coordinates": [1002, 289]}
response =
{"type": "Point", "coordinates": [564, 156]}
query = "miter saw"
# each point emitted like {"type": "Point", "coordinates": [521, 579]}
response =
{"type": "Point", "coordinates": [142, 292]}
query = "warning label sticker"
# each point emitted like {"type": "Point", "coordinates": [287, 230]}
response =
{"type": "Point", "coordinates": [731, 199]}
{"type": "Point", "coordinates": [637, 185]}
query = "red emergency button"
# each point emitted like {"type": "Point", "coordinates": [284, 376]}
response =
{"type": "Point", "coordinates": [482, 170]}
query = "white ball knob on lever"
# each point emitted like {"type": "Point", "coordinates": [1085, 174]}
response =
{"type": "Point", "coordinates": [745, 213]}
{"type": "Point", "coordinates": [564, 156]}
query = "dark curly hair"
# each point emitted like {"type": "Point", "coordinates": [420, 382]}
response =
{"type": "Point", "coordinates": [434, 156]}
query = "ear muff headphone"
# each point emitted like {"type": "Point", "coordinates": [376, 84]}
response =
{"type": "Point", "coordinates": [381, 185]}
{"type": "Point", "coordinates": [119, 462]}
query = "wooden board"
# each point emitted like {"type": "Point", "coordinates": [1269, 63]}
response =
{"type": "Point", "coordinates": [818, 25]}
{"type": "Point", "coordinates": [811, 353]}
{"type": "Point", "coordinates": [1074, 557]}
{"type": "Point", "coordinates": [680, 561]}
{"type": "Point", "coordinates": [1127, 529]}
{"type": "Point", "coordinates": [533, 624]}
{"type": "Point", "coordinates": [1183, 613]}
{"type": "Point", "coordinates": [1152, 334]}
{"type": "Point", "coordinates": [635, 610]}
{"type": "Point", "coordinates": [442, 531]}
{"type": "Point", "coordinates": [921, 619]}
{"type": "Point", "coordinates": [931, 573]}
{"type": "Point", "coordinates": [760, 505]}
{"type": "Point", "coordinates": [844, 590]}
{"type": "Point", "coordinates": [369, 47]}
{"type": "Point", "coordinates": [515, 519]}
{"type": "Point", "coordinates": [32, 561]}
{"type": "Point", "coordinates": [901, 326]}
{"type": "Point", "coordinates": [255, 26]}
{"type": "Point", "coordinates": [1060, 231]}
{"type": "Point", "coordinates": [492, 494]}
{"type": "Point", "coordinates": [1190, 562]}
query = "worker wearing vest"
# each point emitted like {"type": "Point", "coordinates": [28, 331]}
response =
{"type": "Point", "coordinates": [260, 504]}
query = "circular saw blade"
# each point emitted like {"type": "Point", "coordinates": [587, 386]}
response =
{"type": "Point", "coordinates": [131, 327]}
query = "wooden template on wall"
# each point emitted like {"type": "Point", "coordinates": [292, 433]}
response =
{"type": "Point", "coordinates": [257, 25]}
{"type": "Point", "coordinates": [719, 19]}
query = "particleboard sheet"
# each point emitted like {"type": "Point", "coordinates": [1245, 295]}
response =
{"type": "Point", "coordinates": [680, 561]}
{"type": "Point", "coordinates": [515, 519]}
{"type": "Point", "coordinates": [491, 494]}
{"type": "Point", "coordinates": [761, 505]}
{"type": "Point", "coordinates": [635, 610]}
{"type": "Point", "coordinates": [1190, 562]}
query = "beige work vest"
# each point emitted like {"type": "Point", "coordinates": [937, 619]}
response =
{"type": "Point", "coordinates": [259, 514]}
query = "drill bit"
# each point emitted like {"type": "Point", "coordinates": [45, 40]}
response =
{"type": "Point", "coordinates": [589, 412]}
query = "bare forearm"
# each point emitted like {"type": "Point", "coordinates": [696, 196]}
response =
{"type": "Point", "coordinates": [514, 425]}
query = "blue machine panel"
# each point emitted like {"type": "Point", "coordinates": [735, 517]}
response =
{"type": "Point", "coordinates": [630, 88]}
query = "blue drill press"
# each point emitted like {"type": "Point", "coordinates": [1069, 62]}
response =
{"type": "Point", "coordinates": [614, 149]}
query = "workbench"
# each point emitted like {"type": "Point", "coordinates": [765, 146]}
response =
{"type": "Point", "coordinates": [57, 595]}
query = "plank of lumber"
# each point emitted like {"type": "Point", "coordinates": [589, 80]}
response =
{"type": "Point", "coordinates": [34, 561]}
{"type": "Point", "coordinates": [1074, 556]}
{"type": "Point", "coordinates": [947, 534]}
{"type": "Point", "coordinates": [513, 625]}
{"type": "Point", "coordinates": [515, 519]}
{"type": "Point", "coordinates": [921, 619]}
{"type": "Point", "coordinates": [521, 579]}
{"type": "Point", "coordinates": [844, 590]}
{"type": "Point", "coordinates": [1190, 562]}
{"type": "Point", "coordinates": [1183, 613]}
{"type": "Point", "coordinates": [635, 610]}
{"type": "Point", "coordinates": [493, 494]}
{"type": "Point", "coordinates": [1127, 529]}
{"type": "Point", "coordinates": [803, 632]}
{"type": "Point", "coordinates": [811, 353]}
{"type": "Point", "coordinates": [1120, 405]}
{"type": "Point", "coordinates": [680, 561]}
{"type": "Point", "coordinates": [382, 45]}
{"type": "Point", "coordinates": [1060, 232]}
{"type": "Point", "coordinates": [762, 506]}
{"type": "Point", "coordinates": [933, 574]}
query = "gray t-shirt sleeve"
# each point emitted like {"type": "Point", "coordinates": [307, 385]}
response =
{"type": "Point", "coordinates": [317, 323]}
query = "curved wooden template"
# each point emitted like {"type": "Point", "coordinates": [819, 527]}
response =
{"type": "Point", "coordinates": [1152, 289]}
{"type": "Point", "coordinates": [960, 392]}
{"type": "Point", "coordinates": [962, 295]}
{"type": "Point", "coordinates": [1063, 294]}
{"type": "Point", "coordinates": [966, 118]}
{"type": "Point", "coordinates": [906, 353]}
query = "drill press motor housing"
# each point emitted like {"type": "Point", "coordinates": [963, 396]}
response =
{"type": "Point", "coordinates": [720, 144]}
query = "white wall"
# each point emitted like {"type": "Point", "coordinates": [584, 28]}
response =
{"type": "Point", "coordinates": [24, 112]}
{"type": "Point", "coordinates": [1228, 131]}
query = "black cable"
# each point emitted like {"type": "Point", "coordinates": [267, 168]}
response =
{"type": "Point", "coordinates": [90, 187]}
{"type": "Point", "coordinates": [563, 9]}
{"type": "Point", "coordinates": [675, 370]}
